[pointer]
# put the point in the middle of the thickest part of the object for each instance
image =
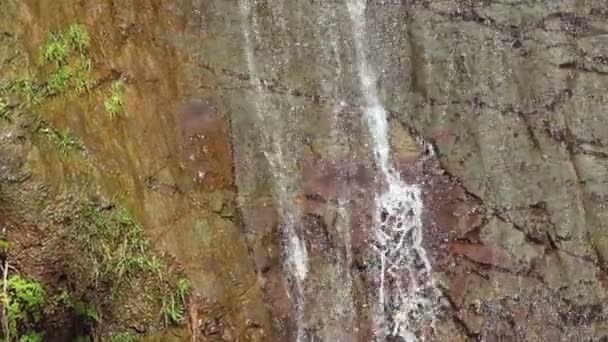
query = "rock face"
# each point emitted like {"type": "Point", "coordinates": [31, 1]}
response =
{"type": "Point", "coordinates": [265, 188]}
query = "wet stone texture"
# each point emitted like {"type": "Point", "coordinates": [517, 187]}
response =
{"type": "Point", "coordinates": [497, 110]}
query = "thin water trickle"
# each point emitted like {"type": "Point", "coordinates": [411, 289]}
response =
{"type": "Point", "coordinates": [296, 256]}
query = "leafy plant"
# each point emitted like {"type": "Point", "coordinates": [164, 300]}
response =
{"type": "Point", "coordinates": [86, 310]}
{"type": "Point", "coordinates": [115, 102]}
{"type": "Point", "coordinates": [63, 299]}
{"type": "Point", "coordinates": [4, 246]}
{"type": "Point", "coordinates": [23, 301]}
{"type": "Point", "coordinates": [31, 336]}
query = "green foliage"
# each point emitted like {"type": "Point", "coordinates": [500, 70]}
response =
{"type": "Point", "coordinates": [67, 52]}
{"type": "Point", "coordinates": [27, 90]}
{"type": "Point", "coordinates": [115, 242]}
{"type": "Point", "coordinates": [82, 339]}
{"type": "Point", "coordinates": [118, 256]}
{"type": "Point", "coordinates": [86, 311]}
{"type": "Point", "coordinates": [31, 336]}
{"type": "Point", "coordinates": [124, 337]}
{"type": "Point", "coordinates": [115, 102]}
{"type": "Point", "coordinates": [4, 246]}
{"type": "Point", "coordinates": [63, 299]}
{"type": "Point", "coordinates": [24, 300]}
{"type": "Point", "coordinates": [59, 80]}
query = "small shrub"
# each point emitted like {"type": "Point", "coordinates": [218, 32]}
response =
{"type": "Point", "coordinates": [24, 300]}
{"type": "Point", "coordinates": [86, 310]}
{"type": "Point", "coordinates": [31, 337]}
{"type": "Point", "coordinates": [4, 246]}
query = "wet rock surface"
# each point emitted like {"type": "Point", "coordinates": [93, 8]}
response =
{"type": "Point", "coordinates": [497, 110]}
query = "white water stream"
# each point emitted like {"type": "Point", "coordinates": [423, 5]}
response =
{"type": "Point", "coordinates": [398, 223]}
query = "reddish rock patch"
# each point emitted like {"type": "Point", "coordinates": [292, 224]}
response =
{"type": "Point", "coordinates": [204, 145]}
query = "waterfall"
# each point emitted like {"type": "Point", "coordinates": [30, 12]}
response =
{"type": "Point", "coordinates": [406, 294]}
{"type": "Point", "coordinates": [408, 303]}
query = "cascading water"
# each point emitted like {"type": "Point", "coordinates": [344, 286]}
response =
{"type": "Point", "coordinates": [406, 293]}
{"type": "Point", "coordinates": [409, 300]}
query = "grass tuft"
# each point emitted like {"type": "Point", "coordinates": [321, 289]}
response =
{"type": "Point", "coordinates": [59, 80]}
{"type": "Point", "coordinates": [115, 102]}
{"type": "Point", "coordinates": [124, 337]}
{"type": "Point", "coordinates": [27, 90]}
{"type": "Point", "coordinates": [79, 38]}
{"type": "Point", "coordinates": [65, 141]}
{"type": "Point", "coordinates": [56, 50]}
